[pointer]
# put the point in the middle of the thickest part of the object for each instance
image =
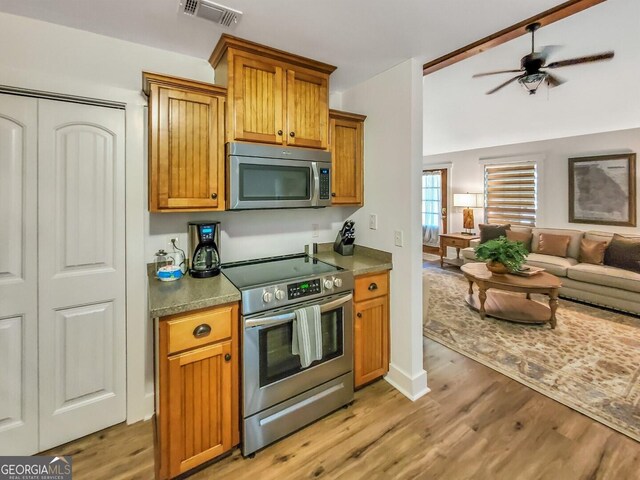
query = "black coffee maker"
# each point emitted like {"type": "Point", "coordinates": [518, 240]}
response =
{"type": "Point", "coordinates": [204, 241]}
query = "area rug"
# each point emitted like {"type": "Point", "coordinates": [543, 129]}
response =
{"type": "Point", "coordinates": [430, 257]}
{"type": "Point", "coordinates": [590, 362]}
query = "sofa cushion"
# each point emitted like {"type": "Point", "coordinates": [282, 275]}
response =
{"type": "Point", "coordinates": [524, 237]}
{"type": "Point", "coordinates": [469, 253]}
{"type": "Point", "coordinates": [556, 265]}
{"type": "Point", "coordinates": [592, 251]}
{"type": "Point", "coordinates": [491, 231]}
{"type": "Point", "coordinates": [574, 244]}
{"type": "Point", "coordinates": [555, 245]}
{"type": "Point", "coordinates": [623, 252]}
{"type": "Point", "coordinates": [605, 276]}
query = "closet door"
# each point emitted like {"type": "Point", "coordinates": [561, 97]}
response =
{"type": "Point", "coordinates": [81, 250]}
{"type": "Point", "coordinates": [18, 276]}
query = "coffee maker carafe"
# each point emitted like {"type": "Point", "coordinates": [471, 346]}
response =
{"type": "Point", "coordinates": [204, 241]}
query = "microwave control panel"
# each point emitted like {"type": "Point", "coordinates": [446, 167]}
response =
{"type": "Point", "coordinates": [303, 289]}
{"type": "Point", "coordinates": [325, 183]}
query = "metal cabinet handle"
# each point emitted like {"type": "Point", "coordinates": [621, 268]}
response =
{"type": "Point", "coordinates": [227, 357]}
{"type": "Point", "coordinates": [292, 134]}
{"type": "Point", "coordinates": [359, 314]}
{"type": "Point", "coordinates": [373, 287]}
{"type": "Point", "coordinates": [202, 330]}
{"type": "Point", "coordinates": [214, 195]}
{"type": "Point", "coordinates": [279, 132]}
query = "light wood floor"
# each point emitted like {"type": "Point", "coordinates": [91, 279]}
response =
{"type": "Point", "coordinates": [475, 423]}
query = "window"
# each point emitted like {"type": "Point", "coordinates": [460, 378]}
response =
{"type": "Point", "coordinates": [510, 194]}
{"type": "Point", "coordinates": [431, 215]}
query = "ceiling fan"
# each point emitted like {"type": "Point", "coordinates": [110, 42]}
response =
{"type": "Point", "coordinates": [534, 66]}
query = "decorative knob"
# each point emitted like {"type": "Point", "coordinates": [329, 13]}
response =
{"type": "Point", "coordinates": [214, 195]}
{"type": "Point", "coordinates": [359, 314]}
{"type": "Point", "coordinates": [279, 132]}
{"type": "Point", "coordinates": [267, 297]}
{"type": "Point", "coordinates": [373, 287]}
{"type": "Point", "coordinates": [227, 357]}
{"type": "Point", "coordinates": [280, 295]}
{"type": "Point", "coordinates": [333, 194]}
{"type": "Point", "coordinates": [337, 282]}
{"type": "Point", "coordinates": [292, 134]}
{"type": "Point", "coordinates": [328, 284]}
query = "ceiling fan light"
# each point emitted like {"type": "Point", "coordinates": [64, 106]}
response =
{"type": "Point", "coordinates": [532, 82]}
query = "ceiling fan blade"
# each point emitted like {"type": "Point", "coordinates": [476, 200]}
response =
{"type": "Point", "coordinates": [575, 61]}
{"type": "Point", "coordinates": [548, 50]}
{"type": "Point", "coordinates": [554, 80]}
{"type": "Point", "coordinates": [495, 73]}
{"type": "Point", "coordinates": [504, 84]}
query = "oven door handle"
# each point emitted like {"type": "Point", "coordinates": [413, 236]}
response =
{"type": "Point", "coordinates": [288, 317]}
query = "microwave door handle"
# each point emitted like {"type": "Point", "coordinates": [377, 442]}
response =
{"type": "Point", "coordinates": [316, 184]}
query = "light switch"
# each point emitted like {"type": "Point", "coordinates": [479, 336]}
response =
{"type": "Point", "coordinates": [373, 221]}
{"type": "Point", "coordinates": [399, 238]}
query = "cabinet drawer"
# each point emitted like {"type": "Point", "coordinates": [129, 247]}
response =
{"type": "Point", "coordinates": [455, 242]}
{"type": "Point", "coordinates": [371, 286]}
{"type": "Point", "coordinates": [198, 328]}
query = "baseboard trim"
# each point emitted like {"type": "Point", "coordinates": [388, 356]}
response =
{"type": "Point", "coordinates": [149, 406]}
{"type": "Point", "coordinates": [411, 387]}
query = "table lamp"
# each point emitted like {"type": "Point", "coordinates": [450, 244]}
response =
{"type": "Point", "coordinates": [468, 201]}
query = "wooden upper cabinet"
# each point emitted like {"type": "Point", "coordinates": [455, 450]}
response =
{"type": "Point", "coordinates": [258, 102]}
{"type": "Point", "coordinates": [347, 157]}
{"type": "Point", "coordinates": [186, 144]}
{"type": "Point", "coordinates": [277, 97]}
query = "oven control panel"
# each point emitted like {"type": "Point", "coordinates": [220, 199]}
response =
{"type": "Point", "coordinates": [303, 289]}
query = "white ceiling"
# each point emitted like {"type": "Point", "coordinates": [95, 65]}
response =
{"type": "Point", "coordinates": [361, 37]}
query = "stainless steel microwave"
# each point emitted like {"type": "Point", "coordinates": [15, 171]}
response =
{"type": "Point", "coordinates": [265, 176]}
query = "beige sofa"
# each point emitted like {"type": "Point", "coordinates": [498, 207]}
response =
{"type": "Point", "coordinates": [598, 284]}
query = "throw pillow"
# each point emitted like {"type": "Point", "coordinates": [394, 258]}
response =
{"type": "Point", "coordinates": [523, 237]}
{"type": "Point", "coordinates": [592, 251]}
{"type": "Point", "coordinates": [555, 245]}
{"type": "Point", "coordinates": [491, 231]}
{"type": "Point", "coordinates": [623, 252]}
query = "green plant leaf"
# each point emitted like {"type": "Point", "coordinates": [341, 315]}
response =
{"type": "Point", "coordinates": [511, 254]}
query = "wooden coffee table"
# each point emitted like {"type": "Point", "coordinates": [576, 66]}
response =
{"type": "Point", "coordinates": [511, 307]}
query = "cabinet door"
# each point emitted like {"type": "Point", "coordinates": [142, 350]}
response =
{"type": "Point", "coordinates": [371, 346]}
{"type": "Point", "coordinates": [307, 109]}
{"type": "Point", "coordinates": [258, 107]}
{"type": "Point", "coordinates": [200, 403]}
{"type": "Point", "coordinates": [347, 160]}
{"type": "Point", "coordinates": [190, 135]}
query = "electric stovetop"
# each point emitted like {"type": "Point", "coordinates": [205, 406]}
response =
{"type": "Point", "coordinates": [266, 271]}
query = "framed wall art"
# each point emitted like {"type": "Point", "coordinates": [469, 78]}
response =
{"type": "Point", "coordinates": [602, 190]}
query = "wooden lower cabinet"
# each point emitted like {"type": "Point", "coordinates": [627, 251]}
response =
{"type": "Point", "coordinates": [371, 325]}
{"type": "Point", "coordinates": [197, 416]}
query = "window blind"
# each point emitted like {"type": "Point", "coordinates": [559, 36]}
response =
{"type": "Point", "coordinates": [510, 193]}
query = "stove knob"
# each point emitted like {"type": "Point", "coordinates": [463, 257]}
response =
{"type": "Point", "coordinates": [328, 284]}
{"type": "Point", "coordinates": [337, 282]}
{"type": "Point", "coordinates": [267, 297]}
{"type": "Point", "coordinates": [280, 295]}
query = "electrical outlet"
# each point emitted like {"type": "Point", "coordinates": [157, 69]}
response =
{"type": "Point", "coordinates": [373, 221]}
{"type": "Point", "coordinates": [398, 236]}
{"type": "Point", "coordinates": [315, 230]}
{"type": "Point", "coordinates": [171, 240]}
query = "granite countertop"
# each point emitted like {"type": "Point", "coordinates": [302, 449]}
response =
{"type": "Point", "coordinates": [363, 261]}
{"type": "Point", "coordinates": [168, 298]}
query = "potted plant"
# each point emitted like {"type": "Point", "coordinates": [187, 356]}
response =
{"type": "Point", "coordinates": [502, 255]}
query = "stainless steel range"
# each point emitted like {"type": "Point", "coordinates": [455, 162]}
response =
{"type": "Point", "coordinates": [279, 395]}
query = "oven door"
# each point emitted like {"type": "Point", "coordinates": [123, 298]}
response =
{"type": "Point", "coordinates": [256, 183]}
{"type": "Point", "coordinates": [272, 373]}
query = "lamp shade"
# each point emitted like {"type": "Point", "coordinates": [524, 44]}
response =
{"type": "Point", "coordinates": [468, 200]}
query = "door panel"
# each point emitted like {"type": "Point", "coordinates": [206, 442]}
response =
{"type": "Point", "coordinates": [258, 101]}
{"type": "Point", "coordinates": [191, 153]}
{"type": "Point", "coordinates": [346, 147]}
{"type": "Point", "coordinates": [372, 334]}
{"type": "Point", "coordinates": [81, 270]}
{"type": "Point", "coordinates": [18, 276]}
{"type": "Point", "coordinates": [307, 109]}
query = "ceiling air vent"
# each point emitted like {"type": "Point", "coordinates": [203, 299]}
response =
{"type": "Point", "coordinates": [211, 11]}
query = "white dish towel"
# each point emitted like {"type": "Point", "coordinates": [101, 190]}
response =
{"type": "Point", "coordinates": [307, 335]}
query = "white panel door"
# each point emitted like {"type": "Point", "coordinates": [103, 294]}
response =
{"type": "Point", "coordinates": [81, 248]}
{"type": "Point", "coordinates": [18, 276]}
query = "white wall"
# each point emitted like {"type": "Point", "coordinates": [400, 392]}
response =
{"type": "Point", "coordinates": [553, 180]}
{"type": "Point", "coordinates": [597, 97]}
{"type": "Point", "coordinates": [392, 149]}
